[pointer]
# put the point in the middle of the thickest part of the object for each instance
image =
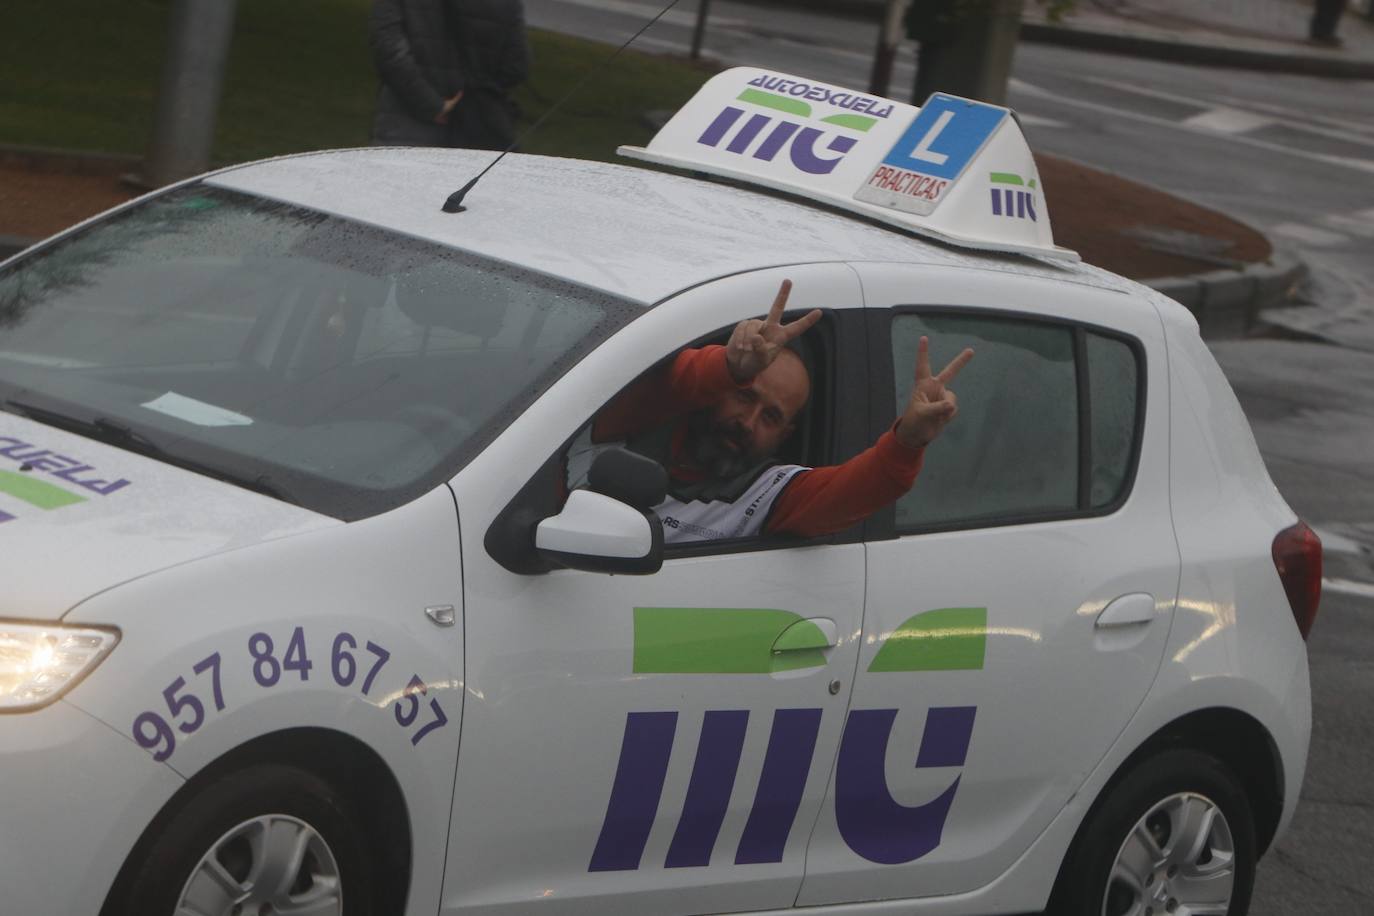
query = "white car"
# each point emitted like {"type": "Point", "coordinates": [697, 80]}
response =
{"type": "Point", "coordinates": [298, 616]}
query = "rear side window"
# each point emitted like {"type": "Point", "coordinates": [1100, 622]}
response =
{"type": "Point", "coordinates": [1048, 426]}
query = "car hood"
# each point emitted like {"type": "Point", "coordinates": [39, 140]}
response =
{"type": "Point", "coordinates": [78, 517]}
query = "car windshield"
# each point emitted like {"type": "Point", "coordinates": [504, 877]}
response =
{"type": "Point", "coordinates": [336, 365]}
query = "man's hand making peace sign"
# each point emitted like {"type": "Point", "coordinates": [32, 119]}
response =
{"type": "Point", "coordinates": [932, 405]}
{"type": "Point", "coordinates": [755, 343]}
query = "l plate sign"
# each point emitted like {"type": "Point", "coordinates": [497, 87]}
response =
{"type": "Point", "coordinates": [945, 136]}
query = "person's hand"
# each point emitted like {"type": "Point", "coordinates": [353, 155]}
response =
{"type": "Point", "coordinates": [932, 404]}
{"type": "Point", "coordinates": [755, 343]}
{"type": "Point", "coordinates": [449, 105]}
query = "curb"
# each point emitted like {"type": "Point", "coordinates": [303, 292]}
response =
{"type": "Point", "coordinates": [1227, 303]}
{"type": "Point", "coordinates": [1117, 43]}
{"type": "Point", "coordinates": [1189, 53]}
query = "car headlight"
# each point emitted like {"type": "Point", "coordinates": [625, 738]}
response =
{"type": "Point", "coordinates": [40, 662]}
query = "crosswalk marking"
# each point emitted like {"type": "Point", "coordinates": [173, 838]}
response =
{"type": "Point", "coordinates": [1228, 121]}
{"type": "Point", "coordinates": [1360, 223]}
{"type": "Point", "coordinates": [1348, 587]}
{"type": "Point", "coordinates": [1310, 235]}
{"type": "Point", "coordinates": [1030, 120]}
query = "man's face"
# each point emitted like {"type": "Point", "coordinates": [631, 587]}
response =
{"type": "Point", "coordinates": [751, 422]}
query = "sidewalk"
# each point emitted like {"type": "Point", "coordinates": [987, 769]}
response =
{"type": "Point", "coordinates": [1266, 35]}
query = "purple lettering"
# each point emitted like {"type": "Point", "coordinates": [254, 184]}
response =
{"type": "Point", "coordinates": [786, 765]}
{"type": "Point", "coordinates": [871, 821]}
{"type": "Point", "coordinates": [636, 791]}
{"type": "Point", "coordinates": [14, 444]}
{"type": "Point", "coordinates": [718, 128]}
{"type": "Point", "coordinates": [775, 141]}
{"type": "Point", "coordinates": [804, 152]}
{"type": "Point", "coordinates": [747, 133]}
{"type": "Point", "coordinates": [708, 793]}
{"type": "Point", "coordinates": [103, 487]}
{"type": "Point", "coordinates": [996, 202]}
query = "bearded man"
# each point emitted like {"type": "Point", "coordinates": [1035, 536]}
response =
{"type": "Point", "coordinates": [715, 418]}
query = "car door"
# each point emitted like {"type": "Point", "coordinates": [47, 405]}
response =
{"type": "Point", "coordinates": [643, 743]}
{"type": "Point", "coordinates": [1017, 609]}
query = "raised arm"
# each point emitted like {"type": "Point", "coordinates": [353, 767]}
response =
{"type": "Point", "coordinates": [698, 378]}
{"type": "Point", "coordinates": [829, 499]}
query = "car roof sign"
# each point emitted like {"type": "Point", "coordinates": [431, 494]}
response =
{"type": "Point", "coordinates": [956, 170]}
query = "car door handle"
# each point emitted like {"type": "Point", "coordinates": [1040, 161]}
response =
{"type": "Point", "coordinates": [1128, 610]}
{"type": "Point", "coordinates": [812, 633]}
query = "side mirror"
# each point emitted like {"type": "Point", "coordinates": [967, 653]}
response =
{"type": "Point", "coordinates": [597, 533]}
{"type": "Point", "coordinates": [629, 477]}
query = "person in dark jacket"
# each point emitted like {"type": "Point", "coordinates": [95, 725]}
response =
{"type": "Point", "coordinates": [446, 67]}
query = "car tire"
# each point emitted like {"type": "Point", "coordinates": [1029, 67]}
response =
{"type": "Point", "coordinates": [1175, 832]}
{"type": "Point", "coordinates": [267, 834]}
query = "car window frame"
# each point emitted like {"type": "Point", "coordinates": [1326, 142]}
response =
{"type": "Point", "coordinates": [882, 525]}
{"type": "Point", "coordinates": [846, 352]}
{"type": "Point", "coordinates": [847, 356]}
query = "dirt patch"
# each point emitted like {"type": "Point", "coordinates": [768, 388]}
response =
{"type": "Point", "coordinates": [1138, 231]}
{"type": "Point", "coordinates": [36, 202]}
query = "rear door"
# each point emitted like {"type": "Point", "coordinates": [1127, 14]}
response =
{"type": "Point", "coordinates": [1019, 597]}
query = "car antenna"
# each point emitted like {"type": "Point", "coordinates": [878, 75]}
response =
{"type": "Point", "coordinates": [454, 204]}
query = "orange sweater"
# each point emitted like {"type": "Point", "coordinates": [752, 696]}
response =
{"type": "Point", "coordinates": [817, 501]}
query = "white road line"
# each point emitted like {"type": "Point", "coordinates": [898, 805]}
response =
{"type": "Point", "coordinates": [1310, 235]}
{"type": "Point", "coordinates": [1337, 543]}
{"type": "Point", "coordinates": [1361, 223]}
{"type": "Point", "coordinates": [1031, 120]}
{"type": "Point", "coordinates": [1228, 121]}
{"type": "Point", "coordinates": [1343, 127]}
{"type": "Point", "coordinates": [1349, 587]}
{"type": "Point", "coordinates": [1363, 165]}
{"type": "Point", "coordinates": [1349, 130]}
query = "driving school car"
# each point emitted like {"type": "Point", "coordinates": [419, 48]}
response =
{"type": "Point", "coordinates": [298, 616]}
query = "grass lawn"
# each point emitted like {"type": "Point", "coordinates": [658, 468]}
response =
{"type": "Point", "coordinates": [83, 75]}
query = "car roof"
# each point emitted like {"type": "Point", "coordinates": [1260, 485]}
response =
{"type": "Point", "coordinates": [628, 230]}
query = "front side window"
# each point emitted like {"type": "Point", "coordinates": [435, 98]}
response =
{"type": "Point", "coordinates": [1048, 421]}
{"type": "Point", "coordinates": [336, 365]}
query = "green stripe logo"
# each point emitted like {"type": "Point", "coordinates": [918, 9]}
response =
{"type": "Point", "coordinates": [803, 110]}
{"type": "Point", "coordinates": [36, 492]}
{"type": "Point", "coordinates": [688, 640]}
{"type": "Point", "coordinates": [946, 639]}
{"type": "Point", "coordinates": [1010, 178]}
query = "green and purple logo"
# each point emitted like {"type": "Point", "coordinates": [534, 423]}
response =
{"type": "Point", "coordinates": [755, 641]}
{"type": "Point", "coordinates": [28, 484]}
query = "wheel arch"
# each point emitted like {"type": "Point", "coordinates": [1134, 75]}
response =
{"type": "Point", "coordinates": [349, 765]}
{"type": "Point", "coordinates": [1235, 738]}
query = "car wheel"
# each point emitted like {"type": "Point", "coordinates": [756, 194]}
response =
{"type": "Point", "coordinates": [1175, 837]}
{"type": "Point", "coordinates": [269, 839]}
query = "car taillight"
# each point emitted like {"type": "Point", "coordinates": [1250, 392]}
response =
{"type": "Point", "coordinates": [1298, 558]}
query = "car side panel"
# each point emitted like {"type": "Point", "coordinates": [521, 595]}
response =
{"type": "Point", "coordinates": [1051, 693]}
{"type": "Point", "coordinates": [1234, 622]}
{"type": "Point", "coordinates": [371, 580]}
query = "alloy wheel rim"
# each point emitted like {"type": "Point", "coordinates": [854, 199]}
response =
{"type": "Point", "coordinates": [269, 865]}
{"type": "Point", "coordinates": [1178, 860]}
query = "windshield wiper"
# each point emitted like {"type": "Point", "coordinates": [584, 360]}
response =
{"type": "Point", "coordinates": [102, 429]}
{"type": "Point", "coordinates": [112, 432]}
